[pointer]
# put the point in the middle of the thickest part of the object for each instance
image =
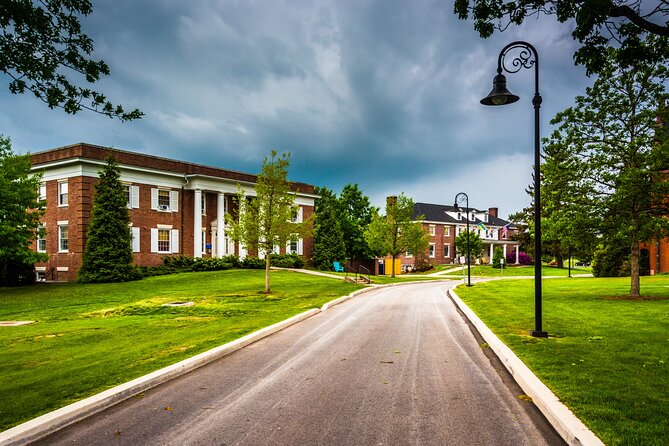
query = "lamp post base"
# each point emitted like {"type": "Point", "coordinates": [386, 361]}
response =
{"type": "Point", "coordinates": [539, 334]}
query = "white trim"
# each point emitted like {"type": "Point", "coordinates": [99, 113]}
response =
{"type": "Point", "coordinates": [135, 238]}
{"type": "Point", "coordinates": [62, 269]}
{"type": "Point", "coordinates": [60, 239]}
{"type": "Point", "coordinates": [154, 198]}
{"type": "Point", "coordinates": [164, 226]}
{"type": "Point", "coordinates": [174, 241]}
{"type": "Point", "coordinates": [174, 201]}
{"type": "Point", "coordinates": [40, 268]}
{"type": "Point", "coordinates": [434, 250]}
{"type": "Point", "coordinates": [62, 183]}
{"type": "Point", "coordinates": [134, 197]}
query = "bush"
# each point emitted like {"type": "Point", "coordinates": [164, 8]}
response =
{"type": "Point", "coordinates": [110, 273]}
{"type": "Point", "coordinates": [422, 264]}
{"type": "Point", "coordinates": [497, 257]}
{"type": "Point", "coordinates": [210, 264]}
{"type": "Point", "coordinates": [253, 263]}
{"type": "Point", "coordinates": [611, 261]}
{"type": "Point", "coordinates": [523, 258]}
{"type": "Point", "coordinates": [286, 260]}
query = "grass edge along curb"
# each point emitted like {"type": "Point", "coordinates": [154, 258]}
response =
{"type": "Point", "coordinates": [568, 425]}
{"type": "Point", "coordinates": [51, 422]}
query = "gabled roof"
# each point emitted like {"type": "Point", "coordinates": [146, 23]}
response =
{"type": "Point", "coordinates": [439, 213]}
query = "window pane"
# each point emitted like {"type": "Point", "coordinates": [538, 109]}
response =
{"type": "Point", "coordinates": [126, 192]}
{"type": "Point", "coordinates": [163, 240]}
{"type": "Point", "coordinates": [63, 237]}
{"type": "Point", "coordinates": [164, 198]}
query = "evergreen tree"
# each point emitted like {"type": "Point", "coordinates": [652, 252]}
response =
{"type": "Point", "coordinates": [20, 212]}
{"type": "Point", "coordinates": [328, 237]}
{"type": "Point", "coordinates": [475, 244]}
{"type": "Point", "coordinates": [108, 252]}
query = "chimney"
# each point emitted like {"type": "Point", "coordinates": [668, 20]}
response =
{"type": "Point", "coordinates": [493, 211]}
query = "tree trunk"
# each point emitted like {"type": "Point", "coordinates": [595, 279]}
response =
{"type": "Point", "coordinates": [267, 263]}
{"type": "Point", "coordinates": [559, 260]}
{"type": "Point", "coordinates": [635, 286]}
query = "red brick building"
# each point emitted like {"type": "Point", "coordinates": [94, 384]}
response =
{"type": "Point", "coordinates": [443, 223]}
{"type": "Point", "coordinates": [167, 200]}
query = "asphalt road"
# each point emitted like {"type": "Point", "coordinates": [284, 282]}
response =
{"type": "Point", "coordinates": [397, 366]}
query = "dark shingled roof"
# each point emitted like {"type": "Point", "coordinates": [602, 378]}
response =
{"type": "Point", "coordinates": [438, 213]}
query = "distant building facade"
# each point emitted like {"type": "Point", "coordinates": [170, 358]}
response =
{"type": "Point", "coordinates": [175, 207]}
{"type": "Point", "coordinates": [444, 223]}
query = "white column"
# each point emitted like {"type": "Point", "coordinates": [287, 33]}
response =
{"type": "Point", "coordinates": [220, 231]}
{"type": "Point", "coordinates": [504, 248]}
{"type": "Point", "coordinates": [492, 251]}
{"type": "Point", "coordinates": [197, 224]}
{"type": "Point", "coordinates": [517, 257]}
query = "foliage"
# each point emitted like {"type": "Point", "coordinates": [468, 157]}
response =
{"type": "Point", "coordinates": [523, 258]}
{"type": "Point", "coordinates": [252, 262]}
{"type": "Point", "coordinates": [287, 260]}
{"type": "Point", "coordinates": [266, 220]}
{"type": "Point", "coordinates": [598, 25]}
{"type": "Point", "coordinates": [611, 260]}
{"type": "Point", "coordinates": [615, 140]}
{"type": "Point", "coordinates": [328, 236]}
{"type": "Point", "coordinates": [42, 47]}
{"type": "Point", "coordinates": [108, 253]}
{"type": "Point", "coordinates": [355, 213]}
{"type": "Point", "coordinates": [475, 244]}
{"type": "Point", "coordinates": [396, 232]}
{"type": "Point", "coordinates": [498, 255]}
{"type": "Point", "coordinates": [91, 337]}
{"type": "Point", "coordinates": [20, 212]}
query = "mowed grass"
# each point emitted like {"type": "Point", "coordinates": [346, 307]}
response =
{"type": "Point", "coordinates": [525, 270]}
{"type": "Point", "coordinates": [607, 357]}
{"type": "Point", "coordinates": [88, 338]}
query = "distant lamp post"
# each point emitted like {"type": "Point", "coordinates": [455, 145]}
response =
{"type": "Point", "coordinates": [459, 198]}
{"type": "Point", "coordinates": [500, 95]}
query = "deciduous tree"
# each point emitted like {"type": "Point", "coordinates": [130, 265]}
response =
{"type": "Point", "coordinates": [397, 232]}
{"type": "Point", "coordinates": [268, 219]}
{"type": "Point", "coordinates": [44, 51]}
{"type": "Point", "coordinates": [20, 212]}
{"type": "Point", "coordinates": [355, 213]}
{"type": "Point", "coordinates": [328, 236]}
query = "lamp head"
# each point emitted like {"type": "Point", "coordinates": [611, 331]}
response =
{"type": "Point", "coordinates": [499, 95]}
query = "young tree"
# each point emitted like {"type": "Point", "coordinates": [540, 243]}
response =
{"type": "Point", "coordinates": [355, 213]}
{"type": "Point", "coordinates": [328, 237]}
{"type": "Point", "coordinates": [267, 220]}
{"type": "Point", "coordinates": [108, 252]}
{"type": "Point", "coordinates": [599, 25]}
{"type": "Point", "coordinates": [475, 244]}
{"type": "Point", "coordinates": [616, 133]}
{"type": "Point", "coordinates": [20, 212]}
{"type": "Point", "coordinates": [42, 46]}
{"type": "Point", "coordinates": [396, 232]}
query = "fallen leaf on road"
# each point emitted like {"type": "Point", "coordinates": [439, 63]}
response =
{"type": "Point", "coordinates": [168, 408]}
{"type": "Point", "coordinates": [387, 362]}
{"type": "Point", "coordinates": [525, 398]}
{"type": "Point", "coordinates": [118, 433]}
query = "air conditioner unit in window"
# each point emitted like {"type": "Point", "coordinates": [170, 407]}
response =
{"type": "Point", "coordinates": [164, 207]}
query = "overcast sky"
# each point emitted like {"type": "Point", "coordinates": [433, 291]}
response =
{"type": "Point", "coordinates": [380, 93]}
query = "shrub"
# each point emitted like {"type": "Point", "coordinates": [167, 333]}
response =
{"type": "Point", "coordinates": [286, 260]}
{"type": "Point", "coordinates": [497, 257]}
{"type": "Point", "coordinates": [253, 263]}
{"type": "Point", "coordinates": [422, 264]}
{"type": "Point", "coordinates": [523, 258]}
{"type": "Point", "coordinates": [15, 274]}
{"type": "Point", "coordinates": [611, 261]}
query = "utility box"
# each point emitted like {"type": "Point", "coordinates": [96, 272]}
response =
{"type": "Point", "coordinates": [388, 267]}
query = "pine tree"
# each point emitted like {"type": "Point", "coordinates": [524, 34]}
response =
{"type": "Point", "coordinates": [329, 244]}
{"type": "Point", "coordinates": [108, 252]}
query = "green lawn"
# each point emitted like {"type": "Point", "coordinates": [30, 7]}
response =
{"type": "Point", "coordinates": [525, 270]}
{"type": "Point", "coordinates": [607, 358]}
{"type": "Point", "coordinates": [92, 337]}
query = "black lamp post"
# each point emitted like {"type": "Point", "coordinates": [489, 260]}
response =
{"type": "Point", "coordinates": [460, 198]}
{"type": "Point", "coordinates": [501, 96]}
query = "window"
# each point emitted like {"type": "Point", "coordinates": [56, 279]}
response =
{"type": "Point", "coordinates": [431, 250]}
{"type": "Point", "coordinates": [63, 237]}
{"type": "Point", "coordinates": [408, 254]}
{"type": "Point", "coordinates": [164, 200]}
{"type": "Point", "coordinates": [447, 230]}
{"type": "Point", "coordinates": [41, 239]}
{"type": "Point", "coordinates": [432, 230]}
{"type": "Point", "coordinates": [42, 192]}
{"type": "Point", "coordinates": [135, 239]}
{"type": "Point", "coordinates": [297, 215]}
{"type": "Point", "coordinates": [62, 193]}
{"type": "Point", "coordinates": [164, 239]}
{"type": "Point", "coordinates": [204, 240]}
{"type": "Point", "coordinates": [294, 247]}
{"type": "Point", "coordinates": [447, 250]}
{"type": "Point", "coordinates": [203, 203]}
{"type": "Point", "coordinates": [459, 215]}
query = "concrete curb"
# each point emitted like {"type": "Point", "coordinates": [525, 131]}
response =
{"type": "Point", "coordinates": [570, 428]}
{"type": "Point", "coordinates": [51, 422]}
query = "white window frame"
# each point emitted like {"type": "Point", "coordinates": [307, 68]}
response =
{"type": "Point", "coordinates": [299, 244]}
{"type": "Point", "coordinates": [447, 230]}
{"type": "Point", "coordinates": [432, 230]}
{"type": "Point", "coordinates": [61, 225]}
{"type": "Point", "coordinates": [447, 250]}
{"type": "Point", "coordinates": [136, 245]}
{"type": "Point", "coordinates": [41, 237]}
{"type": "Point", "coordinates": [203, 202]}
{"type": "Point", "coordinates": [173, 246]}
{"type": "Point", "coordinates": [133, 196]}
{"type": "Point", "coordinates": [173, 204]}
{"type": "Point", "coordinates": [204, 240]}
{"type": "Point", "coordinates": [66, 195]}
{"type": "Point", "coordinates": [42, 192]}
{"type": "Point", "coordinates": [432, 250]}
{"type": "Point", "coordinates": [167, 245]}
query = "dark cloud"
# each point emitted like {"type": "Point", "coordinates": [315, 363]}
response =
{"type": "Point", "coordinates": [380, 93]}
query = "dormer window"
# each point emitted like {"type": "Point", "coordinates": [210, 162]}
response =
{"type": "Point", "coordinates": [459, 215]}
